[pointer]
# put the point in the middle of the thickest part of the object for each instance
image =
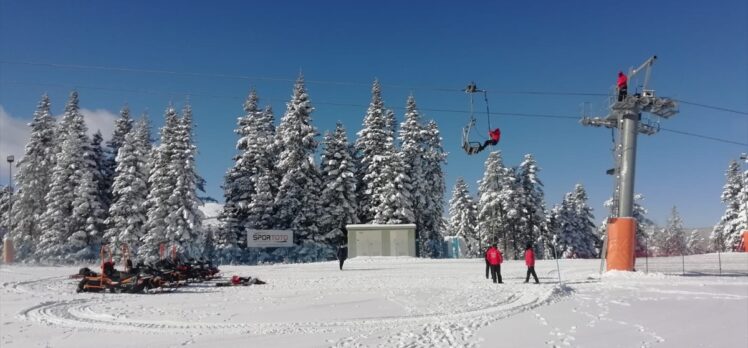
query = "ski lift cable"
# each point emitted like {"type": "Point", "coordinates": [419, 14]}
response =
{"type": "Point", "coordinates": [712, 107]}
{"type": "Point", "coordinates": [704, 137]}
{"type": "Point", "coordinates": [333, 82]}
{"type": "Point", "coordinates": [508, 114]}
{"type": "Point", "coordinates": [218, 96]}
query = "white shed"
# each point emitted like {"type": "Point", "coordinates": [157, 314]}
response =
{"type": "Point", "coordinates": [381, 240]}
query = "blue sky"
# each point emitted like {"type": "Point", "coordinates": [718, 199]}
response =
{"type": "Point", "coordinates": [428, 48]}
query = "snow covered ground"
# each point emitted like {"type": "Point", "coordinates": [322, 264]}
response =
{"type": "Point", "coordinates": [387, 302]}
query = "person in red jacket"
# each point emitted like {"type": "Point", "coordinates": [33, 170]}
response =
{"type": "Point", "coordinates": [530, 262]}
{"type": "Point", "coordinates": [623, 86]}
{"type": "Point", "coordinates": [494, 136]}
{"type": "Point", "coordinates": [493, 256]}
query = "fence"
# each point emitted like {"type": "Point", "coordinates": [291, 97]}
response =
{"type": "Point", "coordinates": [724, 264]}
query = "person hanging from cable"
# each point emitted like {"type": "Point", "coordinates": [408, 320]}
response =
{"type": "Point", "coordinates": [622, 86]}
{"type": "Point", "coordinates": [493, 138]}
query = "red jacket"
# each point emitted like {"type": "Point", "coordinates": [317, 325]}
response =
{"type": "Point", "coordinates": [495, 135]}
{"type": "Point", "coordinates": [529, 258]}
{"type": "Point", "coordinates": [622, 80]}
{"type": "Point", "coordinates": [493, 256]}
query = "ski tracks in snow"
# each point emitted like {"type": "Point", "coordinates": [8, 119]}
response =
{"type": "Point", "coordinates": [596, 306]}
{"type": "Point", "coordinates": [458, 329]}
{"type": "Point", "coordinates": [444, 316]}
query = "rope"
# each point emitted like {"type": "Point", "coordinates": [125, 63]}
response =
{"type": "Point", "coordinates": [488, 112]}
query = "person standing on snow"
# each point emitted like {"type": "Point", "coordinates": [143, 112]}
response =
{"type": "Point", "coordinates": [342, 254]}
{"type": "Point", "coordinates": [623, 86]}
{"type": "Point", "coordinates": [493, 256]}
{"type": "Point", "coordinates": [530, 262]}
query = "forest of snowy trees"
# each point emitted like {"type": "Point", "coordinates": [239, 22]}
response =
{"type": "Point", "coordinates": [385, 176]}
{"type": "Point", "coordinates": [74, 193]}
{"type": "Point", "coordinates": [509, 210]}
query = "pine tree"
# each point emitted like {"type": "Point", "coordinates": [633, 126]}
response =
{"type": "Point", "coordinates": [184, 227]}
{"type": "Point", "coordinates": [265, 180]}
{"type": "Point", "coordinates": [512, 198]}
{"type": "Point", "coordinates": [728, 232]}
{"type": "Point", "coordinates": [70, 167]}
{"type": "Point", "coordinates": [533, 219]}
{"type": "Point", "coordinates": [255, 158]}
{"type": "Point", "coordinates": [393, 192]}
{"type": "Point", "coordinates": [161, 184]}
{"type": "Point", "coordinates": [298, 195]}
{"type": "Point", "coordinates": [585, 222]}
{"type": "Point", "coordinates": [671, 240]}
{"type": "Point", "coordinates": [695, 243]}
{"type": "Point", "coordinates": [97, 160]}
{"type": "Point", "coordinates": [33, 179]}
{"type": "Point", "coordinates": [127, 214]}
{"type": "Point", "coordinates": [434, 190]}
{"type": "Point", "coordinates": [573, 232]}
{"type": "Point", "coordinates": [339, 205]}
{"type": "Point", "coordinates": [146, 146]}
{"type": "Point", "coordinates": [372, 144]}
{"type": "Point", "coordinates": [238, 180]}
{"type": "Point", "coordinates": [87, 221]}
{"type": "Point", "coordinates": [463, 217]}
{"type": "Point", "coordinates": [122, 126]}
{"type": "Point", "coordinates": [413, 145]}
{"type": "Point", "coordinates": [491, 214]}
{"type": "Point", "coordinates": [261, 208]}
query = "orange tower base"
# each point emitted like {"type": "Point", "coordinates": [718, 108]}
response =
{"type": "Point", "coordinates": [745, 241]}
{"type": "Point", "coordinates": [621, 244]}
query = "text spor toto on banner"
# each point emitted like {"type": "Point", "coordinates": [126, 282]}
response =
{"type": "Point", "coordinates": [270, 238]}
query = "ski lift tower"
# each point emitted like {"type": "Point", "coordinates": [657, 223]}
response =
{"type": "Point", "coordinates": [626, 116]}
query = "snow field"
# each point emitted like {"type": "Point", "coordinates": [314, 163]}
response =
{"type": "Point", "coordinates": [384, 302]}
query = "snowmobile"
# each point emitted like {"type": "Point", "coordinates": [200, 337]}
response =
{"type": "Point", "coordinates": [115, 281]}
{"type": "Point", "coordinates": [130, 281]}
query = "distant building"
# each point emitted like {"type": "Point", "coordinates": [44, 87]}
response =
{"type": "Point", "coordinates": [381, 240]}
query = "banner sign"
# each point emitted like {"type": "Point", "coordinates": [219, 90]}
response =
{"type": "Point", "coordinates": [269, 238]}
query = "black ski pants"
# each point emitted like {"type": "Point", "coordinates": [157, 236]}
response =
{"type": "Point", "coordinates": [496, 273]}
{"type": "Point", "coordinates": [531, 270]}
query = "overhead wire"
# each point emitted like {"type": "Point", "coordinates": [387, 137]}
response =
{"type": "Point", "coordinates": [174, 94]}
{"type": "Point", "coordinates": [705, 137]}
{"type": "Point", "coordinates": [712, 107]}
{"type": "Point", "coordinates": [216, 96]}
{"type": "Point", "coordinates": [277, 79]}
{"type": "Point", "coordinates": [339, 83]}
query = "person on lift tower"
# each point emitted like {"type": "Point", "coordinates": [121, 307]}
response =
{"type": "Point", "coordinates": [623, 86]}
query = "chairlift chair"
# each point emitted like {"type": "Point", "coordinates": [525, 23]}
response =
{"type": "Point", "coordinates": [473, 147]}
